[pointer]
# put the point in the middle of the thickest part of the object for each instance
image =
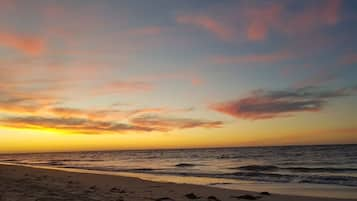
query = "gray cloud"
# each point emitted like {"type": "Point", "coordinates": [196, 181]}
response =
{"type": "Point", "coordinates": [262, 104]}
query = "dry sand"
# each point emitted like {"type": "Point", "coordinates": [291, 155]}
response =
{"type": "Point", "coordinates": [18, 183]}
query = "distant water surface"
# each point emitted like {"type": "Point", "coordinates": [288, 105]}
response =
{"type": "Point", "coordinates": [332, 167]}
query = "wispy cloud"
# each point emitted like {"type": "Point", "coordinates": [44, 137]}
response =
{"type": "Point", "coordinates": [349, 59]}
{"type": "Point", "coordinates": [126, 86]}
{"type": "Point", "coordinates": [169, 123]}
{"type": "Point", "coordinates": [261, 20]}
{"type": "Point", "coordinates": [312, 17]}
{"type": "Point", "coordinates": [256, 22]}
{"type": "Point", "coordinates": [88, 126]}
{"type": "Point", "coordinates": [253, 58]}
{"type": "Point", "coordinates": [92, 114]}
{"type": "Point", "coordinates": [191, 77]}
{"type": "Point", "coordinates": [263, 104]}
{"type": "Point", "coordinates": [24, 110]}
{"type": "Point", "coordinates": [24, 102]}
{"type": "Point", "coordinates": [146, 31]}
{"type": "Point", "coordinates": [207, 23]}
{"type": "Point", "coordinates": [75, 125]}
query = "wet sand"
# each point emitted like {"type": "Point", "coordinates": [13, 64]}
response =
{"type": "Point", "coordinates": [35, 184]}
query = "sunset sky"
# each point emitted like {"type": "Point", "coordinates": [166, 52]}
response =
{"type": "Point", "coordinates": [102, 75]}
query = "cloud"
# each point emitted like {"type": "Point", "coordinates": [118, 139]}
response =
{"type": "Point", "coordinates": [166, 123]}
{"type": "Point", "coordinates": [31, 104]}
{"type": "Point", "coordinates": [33, 46]}
{"type": "Point", "coordinates": [312, 17]}
{"type": "Point", "coordinates": [330, 72]}
{"type": "Point", "coordinates": [262, 104]}
{"type": "Point", "coordinates": [191, 77]}
{"type": "Point", "coordinates": [260, 20]}
{"type": "Point", "coordinates": [278, 17]}
{"type": "Point", "coordinates": [349, 59]}
{"type": "Point", "coordinates": [88, 126]}
{"type": "Point", "coordinates": [93, 114]}
{"type": "Point", "coordinates": [157, 110]}
{"type": "Point", "coordinates": [126, 87]}
{"type": "Point", "coordinates": [24, 110]}
{"type": "Point", "coordinates": [253, 58]}
{"type": "Point", "coordinates": [111, 114]}
{"type": "Point", "coordinates": [24, 102]}
{"type": "Point", "coordinates": [207, 23]}
{"type": "Point", "coordinates": [75, 125]}
{"type": "Point", "coordinates": [255, 22]}
{"type": "Point", "coordinates": [146, 31]}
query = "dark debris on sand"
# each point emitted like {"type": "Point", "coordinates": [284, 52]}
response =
{"type": "Point", "coordinates": [265, 193]}
{"type": "Point", "coordinates": [192, 196]}
{"type": "Point", "coordinates": [247, 197]}
{"type": "Point", "coordinates": [163, 199]}
{"type": "Point", "coordinates": [117, 190]}
{"type": "Point", "coordinates": [213, 198]}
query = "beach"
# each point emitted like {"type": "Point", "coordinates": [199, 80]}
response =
{"type": "Point", "coordinates": [37, 184]}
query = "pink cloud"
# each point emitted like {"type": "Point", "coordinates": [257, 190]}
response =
{"type": "Point", "coordinates": [148, 30]}
{"type": "Point", "coordinates": [257, 22]}
{"type": "Point", "coordinates": [331, 12]}
{"type": "Point", "coordinates": [312, 17]}
{"type": "Point", "coordinates": [127, 86]}
{"type": "Point", "coordinates": [29, 45]}
{"type": "Point", "coordinates": [208, 23]}
{"type": "Point", "coordinates": [257, 31]}
{"type": "Point", "coordinates": [191, 77]}
{"type": "Point", "coordinates": [260, 20]}
{"type": "Point", "coordinates": [349, 59]}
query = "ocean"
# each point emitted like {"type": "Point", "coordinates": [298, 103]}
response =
{"type": "Point", "coordinates": [312, 169]}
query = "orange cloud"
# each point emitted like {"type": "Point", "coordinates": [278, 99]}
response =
{"type": "Point", "coordinates": [29, 45]}
{"type": "Point", "coordinates": [110, 114]}
{"type": "Point", "coordinates": [158, 110]}
{"type": "Point", "coordinates": [75, 125]}
{"type": "Point", "coordinates": [23, 102]}
{"type": "Point", "coordinates": [89, 126]}
{"type": "Point", "coordinates": [27, 109]}
{"type": "Point", "coordinates": [93, 114]}
{"type": "Point", "coordinates": [219, 29]}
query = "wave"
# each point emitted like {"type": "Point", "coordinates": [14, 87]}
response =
{"type": "Point", "coordinates": [313, 170]}
{"type": "Point", "coordinates": [79, 160]}
{"type": "Point", "coordinates": [185, 165]}
{"type": "Point", "coordinates": [272, 168]}
{"type": "Point", "coordinates": [258, 168]}
{"type": "Point", "coordinates": [113, 169]}
{"type": "Point", "coordinates": [9, 160]}
{"type": "Point", "coordinates": [248, 176]}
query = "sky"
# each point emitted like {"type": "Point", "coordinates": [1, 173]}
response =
{"type": "Point", "coordinates": [106, 75]}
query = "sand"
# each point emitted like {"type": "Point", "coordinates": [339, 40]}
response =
{"type": "Point", "coordinates": [19, 183]}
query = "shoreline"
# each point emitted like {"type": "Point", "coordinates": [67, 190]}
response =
{"type": "Point", "coordinates": [45, 184]}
